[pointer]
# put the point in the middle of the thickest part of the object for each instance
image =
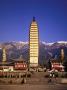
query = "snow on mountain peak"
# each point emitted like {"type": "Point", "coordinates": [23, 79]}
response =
{"type": "Point", "coordinates": [59, 42]}
{"type": "Point", "coordinates": [47, 43]}
{"type": "Point", "coordinates": [23, 42]}
{"type": "Point", "coordinates": [64, 42]}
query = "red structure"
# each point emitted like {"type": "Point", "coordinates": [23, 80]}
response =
{"type": "Point", "coordinates": [57, 65]}
{"type": "Point", "coordinates": [20, 65]}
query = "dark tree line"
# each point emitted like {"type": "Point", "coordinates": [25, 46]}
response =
{"type": "Point", "coordinates": [65, 65]}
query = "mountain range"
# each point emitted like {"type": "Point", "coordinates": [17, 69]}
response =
{"type": "Point", "coordinates": [46, 50]}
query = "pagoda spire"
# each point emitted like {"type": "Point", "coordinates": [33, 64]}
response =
{"type": "Point", "coordinates": [34, 18]}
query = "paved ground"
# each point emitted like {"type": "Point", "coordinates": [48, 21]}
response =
{"type": "Point", "coordinates": [33, 87]}
{"type": "Point", "coordinates": [36, 82]}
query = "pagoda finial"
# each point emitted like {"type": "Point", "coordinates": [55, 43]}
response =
{"type": "Point", "coordinates": [33, 18]}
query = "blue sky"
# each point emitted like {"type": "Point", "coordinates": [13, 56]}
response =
{"type": "Point", "coordinates": [16, 16]}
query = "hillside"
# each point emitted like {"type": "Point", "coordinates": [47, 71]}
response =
{"type": "Point", "coordinates": [46, 50]}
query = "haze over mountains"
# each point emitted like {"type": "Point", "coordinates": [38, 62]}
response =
{"type": "Point", "coordinates": [46, 50]}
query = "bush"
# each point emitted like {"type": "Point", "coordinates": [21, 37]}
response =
{"type": "Point", "coordinates": [65, 75]}
{"type": "Point", "coordinates": [56, 74]}
{"type": "Point", "coordinates": [5, 76]}
{"type": "Point", "coordinates": [29, 75]}
{"type": "Point", "coordinates": [65, 65]}
{"type": "Point", "coordinates": [17, 76]}
{"type": "Point", "coordinates": [24, 75]}
{"type": "Point", "coordinates": [46, 76]}
{"type": "Point", "coordinates": [21, 76]}
{"type": "Point", "coordinates": [23, 81]}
